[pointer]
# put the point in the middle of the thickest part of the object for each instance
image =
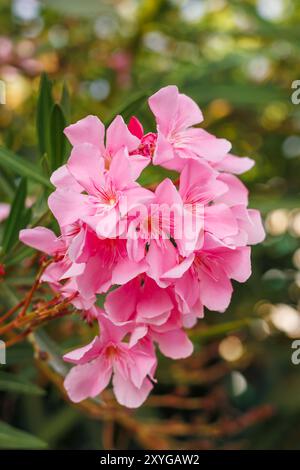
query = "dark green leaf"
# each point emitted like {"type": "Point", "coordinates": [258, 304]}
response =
{"type": "Point", "coordinates": [12, 438]}
{"type": "Point", "coordinates": [57, 137]}
{"type": "Point", "coordinates": [22, 167]}
{"type": "Point", "coordinates": [44, 107]}
{"type": "Point", "coordinates": [13, 383]}
{"type": "Point", "coordinates": [65, 101]}
{"type": "Point", "coordinates": [14, 222]}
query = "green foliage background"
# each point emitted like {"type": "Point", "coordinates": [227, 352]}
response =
{"type": "Point", "coordinates": [104, 57]}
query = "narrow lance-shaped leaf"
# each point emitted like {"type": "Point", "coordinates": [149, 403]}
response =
{"type": "Point", "coordinates": [11, 383]}
{"type": "Point", "coordinates": [12, 438]}
{"type": "Point", "coordinates": [14, 222]}
{"type": "Point", "coordinates": [65, 102]}
{"type": "Point", "coordinates": [57, 137]}
{"type": "Point", "coordinates": [22, 167]}
{"type": "Point", "coordinates": [44, 107]}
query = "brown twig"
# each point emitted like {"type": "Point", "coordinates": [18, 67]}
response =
{"type": "Point", "coordinates": [34, 287]}
{"type": "Point", "coordinates": [11, 311]}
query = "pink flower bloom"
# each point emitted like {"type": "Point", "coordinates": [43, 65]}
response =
{"type": "Point", "coordinates": [46, 241]}
{"type": "Point", "coordinates": [110, 193]}
{"type": "Point", "coordinates": [66, 251]}
{"type": "Point", "coordinates": [140, 300]}
{"type": "Point", "coordinates": [170, 336]}
{"type": "Point", "coordinates": [208, 277]}
{"type": "Point", "coordinates": [161, 256]}
{"type": "Point", "coordinates": [177, 140]}
{"type": "Point", "coordinates": [132, 366]}
{"type": "Point", "coordinates": [90, 130]}
{"type": "Point", "coordinates": [147, 142]}
{"type": "Point", "coordinates": [234, 164]}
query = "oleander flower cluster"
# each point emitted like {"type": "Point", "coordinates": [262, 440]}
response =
{"type": "Point", "coordinates": [159, 255]}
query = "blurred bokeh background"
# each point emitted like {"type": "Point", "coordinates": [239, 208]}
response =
{"type": "Point", "coordinates": [237, 60]}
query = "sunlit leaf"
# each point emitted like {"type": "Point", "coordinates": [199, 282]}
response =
{"type": "Point", "coordinates": [57, 137]}
{"type": "Point", "coordinates": [16, 217]}
{"type": "Point", "coordinates": [22, 167]}
{"type": "Point", "coordinates": [44, 107]}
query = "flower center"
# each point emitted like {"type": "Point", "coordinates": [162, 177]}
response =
{"type": "Point", "coordinates": [111, 351]}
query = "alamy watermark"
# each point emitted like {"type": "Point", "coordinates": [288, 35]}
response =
{"type": "Point", "coordinates": [2, 352]}
{"type": "Point", "coordinates": [295, 97]}
{"type": "Point", "coordinates": [2, 92]}
{"type": "Point", "coordinates": [295, 358]}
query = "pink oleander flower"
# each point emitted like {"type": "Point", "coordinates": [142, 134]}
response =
{"type": "Point", "coordinates": [148, 141]}
{"type": "Point", "coordinates": [131, 366]}
{"type": "Point", "coordinates": [160, 256]}
{"type": "Point", "coordinates": [109, 194]}
{"type": "Point", "coordinates": [90, 130]}
{"type": "Point", "coordinates": [208, 277]}
{"type": "Point", "coordinates": [177, 139]}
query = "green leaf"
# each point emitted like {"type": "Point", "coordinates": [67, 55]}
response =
{"type": "Point", "coordinates": [12, 438]}
{"type": "Point", "coordinates": [57, 137]}
{"type": "Point", "coordinates": [44, 107]}
{"type": "Point", "coordinates": [22, 167]}
{"type": "Point", "coordinates": [221, 329]}
{"type": "Point", "coordinates": [22, 253]}
{"type": "Point", "coordinates": [16, 216]}
{"type": "Point", "coordinates": [65, 101]}
{"type": "Point", "coordinates": [12, 383]}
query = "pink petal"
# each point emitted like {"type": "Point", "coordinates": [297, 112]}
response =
{"type": "Point", "coordinates": [154, 302]}
{"type": "Point", "coordinates": [235, 165]}
{"type": "Point", "coordinates": [204, 144]}
{"type": "Point", "coordinates": [220, 221]}
{"type": "Point", "coordinates": [215, 292]}
{"type": "Point", "coordinates": [88, 130]}
{"type": "Point", "coordinates": [137, 164]}
{"type": "Point", "coordinates": [118, 136]}
{"type": "Point", "coordinates": [160, 258]}
{"type": "Point", "coordinates": [126, 270]}
{"type": "Point", "coordinates": [67, 206]}
{"type": "Point", "coordinates": [188, 113]}
{"type": "Point", "coordinates": [256, 231]}
{"type": "Point", "coordinates": [237, 192]}
{"type": "Point", "coordinates": [86, 165]}
{"type": "Point", "coordinates": [164, 104]}
{"type": "Point", "coordinates": [41, 239]}
{"type": "Point", "coordinates": [84, 354]}
{"type": "Point", "coordinates": [174, 344]}
{"type": "Point", "coordinates": [166, 193]}
{"type": "Point", "coordinates": [142, 365]}
{"type": "Point", "coordinates": [62, 178]}
{"type": "Point", "coordinates": [120, 169]}
{"type": "Point", "coordinates": [87, 380]}
{"type": "Point", "coordinates": [178, 270]}
{"type": "Point", "coordinates": [110, 332]}
{"type": "Point", "coordinates": [164, 151]}
{"type": "Point", "coordinates": [138, 333]}
{"type": "Point", "coordinates": [76, 269]}
{"type": "Point", "coordinates": [129, 395]}
{"type": "Point", "coordinates": [120, 304]}
{"type": "Point", "coordinates": [237, 263]}
{"type": "Point", "coordinates": [94, 277]}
